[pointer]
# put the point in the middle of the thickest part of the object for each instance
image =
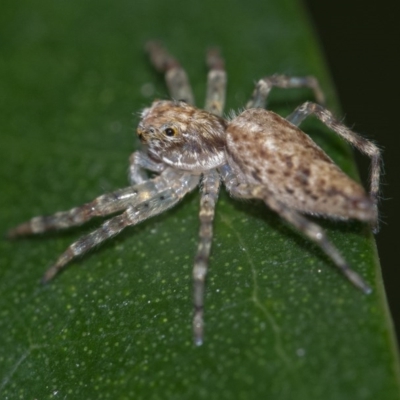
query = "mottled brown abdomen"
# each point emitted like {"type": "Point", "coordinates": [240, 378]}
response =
{"type": "Point", "coordinates": [270, 151]}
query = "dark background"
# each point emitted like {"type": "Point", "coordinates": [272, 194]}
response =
{"type": "Point", "coordinates": [361, 45]}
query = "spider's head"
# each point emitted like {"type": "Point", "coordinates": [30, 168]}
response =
{"type": "Point", "coordinates": [159, 123]}
{"type": "Point", "coordinates": [183, 136]}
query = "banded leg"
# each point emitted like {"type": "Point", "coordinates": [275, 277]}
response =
{"type": "Point", "coordinates": [160, 202]}
{"type": "Point", "coordinates": [216, 83]}
{"type": "Point", "coordinates": [263, 87]}
{"type": "Point", "coordinates": [101, 206]}
{"type": "Point", "coordinates": [209, 195]}
{"type": "Point", "coordinates": [363, 145]}
{"type": "Point", "coordinates": [305, 226]}
{"type": "Point", "coordinates": [175, 76]}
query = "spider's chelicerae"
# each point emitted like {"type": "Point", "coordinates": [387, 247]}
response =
{"type": "Point", "coordinates": [256, 154]}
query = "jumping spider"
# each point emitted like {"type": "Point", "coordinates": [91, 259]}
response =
{"type": "Point", "coordinates": [256, 154]}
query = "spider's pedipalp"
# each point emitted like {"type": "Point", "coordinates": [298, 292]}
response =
{"type": "Point", "coordinates": [209, 196]}
{"type": "Point", "coordinates": [362, 144]}
{"type": "Point", "coordinates": [158, 203]}
{"type": "Point", "coordinates": [228, 176]}
{"type": "Point", "coordinates": [263, 87]}
{"type": "Point", "coordinates": [138, 163]}
{"type": "Point", "coordinates": [216, 83]}
{"type": "Point", "coordinates": [175, 76]}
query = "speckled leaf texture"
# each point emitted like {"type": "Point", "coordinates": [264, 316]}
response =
{"type": "Point", "coordinates": [281, 322]}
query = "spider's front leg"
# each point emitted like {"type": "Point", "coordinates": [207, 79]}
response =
{"type": "Point", "coordinates": [263, 87]}
{"type": "Point", "coordinates": [209, 195]}
{"type": "Point", "coordinates": [361, 144]}
{"type": "Point", "coordinates": [178, 186]}
{"type": "Point", "coordinates": [102, 206]}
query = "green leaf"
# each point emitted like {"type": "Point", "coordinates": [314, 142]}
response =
{"type": "Point", "coordinates": [281, 322]}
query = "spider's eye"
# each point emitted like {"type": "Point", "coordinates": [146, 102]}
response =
{"type": "Point", "coordinates": [170, 131]}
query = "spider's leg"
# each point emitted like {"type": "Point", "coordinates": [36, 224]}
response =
{"type": "Point", "coordinates": [175, 76]}
{"type": "Point", "coordinates": [138, 161]}
{"type": "Point", "coordinates": [305, 226]}
{"type": "Point", "coordinates": [216, 83]}
{"type": "Point", "coordinates": [209, 195]}
{"type": "Point", "coordinates": [158, 203]}
{"type": "Point", "coordinates": [259, 96]}
{"type": "Point", "coordinates": [229, 177]}
{"type": "Point", "coordinates": [363, 145]}
{"type": "Point", "coordinates": [101, 206]}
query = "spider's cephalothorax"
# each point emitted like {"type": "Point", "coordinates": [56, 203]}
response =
{"type": "Point", "coordinates": [257, 154]}
{"type": "Point", "coordinates": [183, 136]}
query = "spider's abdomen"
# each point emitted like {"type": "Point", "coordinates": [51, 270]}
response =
{"type": "Point", "coordinates": [265, 149]}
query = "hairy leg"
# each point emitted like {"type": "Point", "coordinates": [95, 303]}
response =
{"type": "Point", "coordinates": [158, 203]}
{"type": "Point", "coordinates": [101, 206]}
{"type": "Point", "coordinates": [175, 76]}
{"type": "Point", "coordinates": [209, 195]}
{"type": "Point", "coordinates": [305, 226]}
{"type": "Point", "coordinates": [263, 87]}
{"type": "Point", "coordinates": [216, 83]}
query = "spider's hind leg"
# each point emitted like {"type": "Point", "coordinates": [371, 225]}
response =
{"type": "Point", "coordinates": [313, 231]}
{"type": "Point", "coordinates": [318, 236]}
{"type": "Point", "coordinates": [263, 87]}
{"type": "Point", "coordinates": [175, 76]}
